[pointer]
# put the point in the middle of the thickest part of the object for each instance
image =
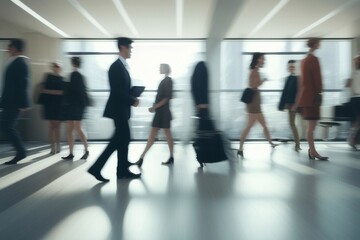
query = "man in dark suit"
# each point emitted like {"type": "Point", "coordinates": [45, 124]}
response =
{"type": "Point", "coordinates": [15, 98]}
{"type": "Point", "coordinates": [118, 109]}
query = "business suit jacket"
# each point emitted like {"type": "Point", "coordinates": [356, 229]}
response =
{"type": "Point", "coordinates": [75, 90]}
{"type": "Point", "coordinates": [311, 82]}
{"type": "Point", "coordinates": [15, 89]}
{"type": "Point", "coordinates": [118, 108]}
{"type": "Point", "coordinates": [120, 101]}
{"type": "Point", "coordinates": [288, 95]}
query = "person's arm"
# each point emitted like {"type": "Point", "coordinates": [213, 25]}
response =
{"type": "Point", "coordinates": [117, 81]}
{"type": "Point", "coordinates": [167, 96]}
{"type": "Point", "coordinates": [158, 105]}
{"type": "Point", "coordinates": [317, 77]}
{"type": "Point", "coordinates": [255, 80]}
{"type": "Point", "coordinates": [22, 77]}
{"type": "Point", "coordinates": [52, 92]}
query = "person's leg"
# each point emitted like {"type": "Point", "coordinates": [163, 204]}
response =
{"type": "Point", "coordinates": [57, 136]}
{"type": "Point", "coordinates": [8, 121]}
{"type": "Point", "coordinates": [251, 121]}
{"type": "Point", "coordinates": [355, 125]}
{"type": "Point", "coordinates": [81, 134]}
{"type": "Point", "coordinates": [150, 141]}
{"type": "Point", "coordinates": [110, 148]}
{"type": "Point", "coordinates": [122, 150]}
{"type": "Point", "coordinates": [261, 119]}
{"type": "Point", "coordinates": [170, 141]}
{"type": "Point", "coordinates": [51, 137]}
{"type": "Point", "coordinates": [70, 137]}
{"type": "Point", "coordinates": [123, 147]}
{"type": "Point", "coordinates": [292, 116]}
{"type": "Point", "coordinates": [310, 136]}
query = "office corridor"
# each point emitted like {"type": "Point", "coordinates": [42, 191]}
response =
{"type": "Point", "coordinates": [271, 194]}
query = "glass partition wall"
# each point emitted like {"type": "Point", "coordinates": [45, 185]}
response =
{"type": "Point", "coordinates": [182, 55]}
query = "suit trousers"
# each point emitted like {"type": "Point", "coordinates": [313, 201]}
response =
{"type": "Point", "coordinates": [120, 142]}
{"type": "Point", "coordinates": [8, 121]}
{"type": "Point", "coordinates": [292, 115]}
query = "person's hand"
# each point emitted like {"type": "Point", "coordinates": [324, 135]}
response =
{"type": "Point", "coordinates": [136, 103]}
{"type": "Point", "coordinates": [151, 109]}
{"type": "Point", "coordinates": [203, 106]}
{"type": "Point", "coordinates": [294, 107]}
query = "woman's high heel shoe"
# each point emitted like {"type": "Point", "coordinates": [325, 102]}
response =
{"type": "Point", "coordinates": [274, 145]}
{"type": "Point", "coordinates": [297, 148]}
{"type": "Point", "coordinates": [139, 162]}
{"type": "Point", "coordinates": [310, 157]}
{"type": "Point", "coordinates": [169, 161]}
{"type": "Point", "coordinates": [240, 153]}
{"type": "Point", "coordinates": [85, 156]}
{"type": "Point", "coordinates": [321, 158]}
{"type": "Point", "coordinates": [201, 163]}
{"type": "Point", "coordinates": [69, 157]}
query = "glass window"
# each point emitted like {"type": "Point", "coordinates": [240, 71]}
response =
{"type": "Point", "coordinates": [335, 61]}
{"type": "Point", "coordinates": [97, 56]}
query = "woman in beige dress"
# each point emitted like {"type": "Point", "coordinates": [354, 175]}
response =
{"type": "Point", "coordinates": [254, 107]}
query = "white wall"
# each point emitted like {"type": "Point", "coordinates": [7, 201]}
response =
{"type": "Point", "coordinates": [41, 50]}
{"type": "Point", "coordinates": [9, 30]}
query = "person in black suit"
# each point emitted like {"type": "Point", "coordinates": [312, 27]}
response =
{"type": "Point", "coordinates": [200, 89]}
{"type": "Point", "coordinates": [15, 98]}
{"type": "Point", "coordinates": [75, 102]}
{"type": "Point", "coordinates": [118, 109]}
{"type": "Point", "coordinates": [288, 100]}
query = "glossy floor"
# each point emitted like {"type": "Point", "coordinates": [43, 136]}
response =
{"type": "Point", "coordinates": [271, 194]}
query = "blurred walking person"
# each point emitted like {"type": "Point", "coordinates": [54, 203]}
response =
{"type": "Point", "coordinates": [288, 100]}
{"type": "Point", "coordinates": [15, 98]}
{"type": "Point", "coordinates": [310, 96]}
{"type": "Point", "coordinates": [162, 116]}
{"type": "Point", "coordinates": [75, 102]}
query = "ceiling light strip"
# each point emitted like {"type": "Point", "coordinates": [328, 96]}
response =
{"type": "Point", "coordinates": [88, 16]}
{"type": "Point", "coordinates": [324, 19]}
{"type": "Point", "coordinates": [179, 17]}
{"type": "Point", "coordinates": [120, 7]}
{"type": "Point", "coordinates": [272, 13]}
{"type": "Point", "coordinates": [38, 17]}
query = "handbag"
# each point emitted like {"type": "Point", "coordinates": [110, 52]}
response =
{"type": "Point", "coordinates": [247, 95]}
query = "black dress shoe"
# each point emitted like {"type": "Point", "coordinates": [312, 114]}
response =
{"type": "Point", "coordinates": [240, 153]}
{"type": "Point", "coordinates": [128, 175]}
{"type": "Point", "coordinates": [85, 156]}
{"type": "Point", "coordinates": [169, 161]}
{"type": "Point", "coordinates": [97, 175]}
{"type": "Point", "coordinates": [15, 160]}
{"type": "Point", "coordinates": [69, 157]}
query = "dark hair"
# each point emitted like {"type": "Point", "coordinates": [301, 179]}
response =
{"type": "Point", "coordinates": [255, 59]}
{"type": "Point", "coordinates": [76, 61]}
{"type": "Point", "coordinates": [123, 41]}
{"type": "Point", "coordinates": [18, 44]}
{"type": "Point", "coordinates": [291, 61]}
{"type": "Point", "coordinates": [312, 41]}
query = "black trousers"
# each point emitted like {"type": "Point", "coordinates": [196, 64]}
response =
{"type": "Point", "coordinates": [8, 122]}
{"type": "Point", "coordinates": [120, 142]}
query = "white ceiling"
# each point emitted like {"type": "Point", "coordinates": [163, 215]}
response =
{"type": "Point", "coordinates": [188, 18]}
